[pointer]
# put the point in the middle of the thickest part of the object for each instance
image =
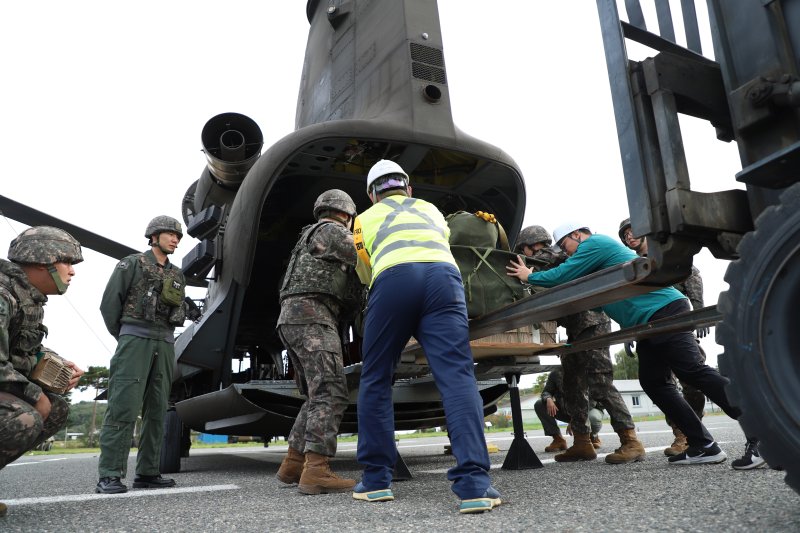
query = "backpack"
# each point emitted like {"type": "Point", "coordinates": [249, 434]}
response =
{"type": "Point", "coordinates": [478, 229]}
{"type": "Point", "coordinates": [473, 243]}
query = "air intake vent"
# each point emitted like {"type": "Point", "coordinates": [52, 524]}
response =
{"type": "Point", "coordinates": [426, 54]}
{"type": "Point", "coordinates": [427, 63]}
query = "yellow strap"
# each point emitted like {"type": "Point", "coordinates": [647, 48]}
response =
{"type": "Point", "coordinates": [358, 239]}
{"type": "Point", "coordinates": [491, 219]}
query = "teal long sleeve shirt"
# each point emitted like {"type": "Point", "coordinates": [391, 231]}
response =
{"type": "Point", "coordinates": [597, 253]}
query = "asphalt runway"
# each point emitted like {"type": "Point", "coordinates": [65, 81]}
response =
{"type": "Point", "coordinates": [234, 489]}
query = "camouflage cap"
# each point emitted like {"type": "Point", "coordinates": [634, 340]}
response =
{"type": "Point", "coordinates": [334, 199]}
{"type": "Point", "coordinates": [531, 235]}
{"type": "Point", "coordinates": [624, 225]}
{"type": "Point", "coordinates": [45, 245]}
{"type": "Point", "coordinates": [163, 223]}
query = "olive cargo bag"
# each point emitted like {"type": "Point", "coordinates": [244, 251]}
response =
{"type": "Point", "coordinates": [471, 229]}
{"type": "Point", "coordinates": [486, 284]}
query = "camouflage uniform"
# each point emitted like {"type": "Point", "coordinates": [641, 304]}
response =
{"type": "Point", "coordinates": [141, 306]}
{"type": "Point", "coordinates": [589, 374]}
{"type": "Point", "coordinates": [320, 292]}
{"type": "Point", "coordinates": [553, 389]}
{"type": "Point", "coordinates": [21, 334]}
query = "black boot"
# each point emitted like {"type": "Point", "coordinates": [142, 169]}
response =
{"type": "Point", "coordinates": [110, 485]}
{"type": "Point", "coordinates": [152, 482]}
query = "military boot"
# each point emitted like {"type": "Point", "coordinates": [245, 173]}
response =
{"type": "Point", "coordinates": [630, 451]}
{"type": "Point", "coordinates": [595, 438]}
{"type": "Point", "coordinates": [291, 467]}
{"type": "Point", "coordinates": [581, 450]}
{"type": "Point", "coordinates": [317, 477]}
{"type": "Point", "coordinates": [558, 444]}
{"type": "Point", "coordinates": [679, 445]}
{"type": "Point", "coordinates": [3, 509]}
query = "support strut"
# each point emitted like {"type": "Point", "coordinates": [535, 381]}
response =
{"type": "Point", "coordinates": [520, 455]}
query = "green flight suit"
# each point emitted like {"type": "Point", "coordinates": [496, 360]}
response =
{"type": "Point", "coordinates": [143, 320]}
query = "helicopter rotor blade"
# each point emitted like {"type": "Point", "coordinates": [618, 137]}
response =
{"type": "Point", "coordinates": [32, 217]}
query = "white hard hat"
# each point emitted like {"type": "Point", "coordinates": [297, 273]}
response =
{"type": "Point", "coordinates": [565, 229]}
{"type": "Point", "coordinates": [382, 168]}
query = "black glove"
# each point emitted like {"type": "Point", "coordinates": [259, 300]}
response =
{"type": "Point", "coordinates": [702, 332]}
{"type": "Point", "coordinates": [193, 312]}
{"type": "Point", "coordinates": [630, 346]}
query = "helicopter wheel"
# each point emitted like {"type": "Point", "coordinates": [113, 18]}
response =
{"type": "Point", "coordinates": [760, 331]}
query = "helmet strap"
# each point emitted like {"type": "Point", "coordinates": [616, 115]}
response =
{"type": "Point", "coordinates": [61, 287]}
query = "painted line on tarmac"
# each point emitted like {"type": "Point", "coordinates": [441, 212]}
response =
{"type": "Point", "coordinates": [38, 462]}
{"type": "Point", "coordinates": [132, 494]}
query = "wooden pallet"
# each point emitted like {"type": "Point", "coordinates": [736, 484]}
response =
{"type": "Point", "coordinates": [482, 350]}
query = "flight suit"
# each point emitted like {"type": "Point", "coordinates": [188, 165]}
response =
{"type": "Point", "coordinates": [142, 304]}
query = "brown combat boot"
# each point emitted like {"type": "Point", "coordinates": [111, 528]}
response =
{"type": "Point", "coordinates": [679, 445]}
{"type": "Point", "coordinates": [317, 477]}
{"type": "Point", "coordinates": [581, 450]}
{"type": "Point", "coordinates": [596, 441]}
{"type": "Point", "coordinates": [557, 445]}
{"type": "Point", "coordinates": [630, 451]}
{"type": "Point", "coordinates": [291, 467]}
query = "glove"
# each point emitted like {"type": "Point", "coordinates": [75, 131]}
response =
{"type": "Point", "coordinates": [630, 346]}
{"type": "Point", "coordinates": [702, 332]}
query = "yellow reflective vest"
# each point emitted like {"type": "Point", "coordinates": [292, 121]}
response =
{"type": "Point", "coordinates": [399, 230]}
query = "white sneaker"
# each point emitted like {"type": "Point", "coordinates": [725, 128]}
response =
{"type": "Point", "coordinates": [751, 458]}
{"type": "Point", "coordinates": [698, 456]}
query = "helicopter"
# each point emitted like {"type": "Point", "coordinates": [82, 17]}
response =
{"type": "Point", "coordinates": [331, 105]}
{"type": "Point", "coordinates": [374, 86]}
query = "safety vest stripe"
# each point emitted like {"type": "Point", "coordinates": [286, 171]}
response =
{"type": "Point", "coordinates": [384, 231]}
{"type": "Point", "coordinates": [396, 245]}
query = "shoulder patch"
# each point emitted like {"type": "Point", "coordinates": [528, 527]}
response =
{"type": "Point", "coordinates": [123, 265]}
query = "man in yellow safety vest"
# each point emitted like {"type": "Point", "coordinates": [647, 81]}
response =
{"type": "Point", "coordinates": [415, 290]}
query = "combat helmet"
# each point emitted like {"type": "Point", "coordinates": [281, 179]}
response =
{"type": "Point", "coordinates": [335, 199]}
{"type": "Point", "coordinates": [531, 235]}
{"type": "Point", "coordinates": [624, 225]}
{"type": "Point", "coordinates": [163, 223]}
{"type": "Point", "coordinates": [45, 245]}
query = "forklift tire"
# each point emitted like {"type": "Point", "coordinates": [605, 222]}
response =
{"type": "Point", "coordinates": [760, 333]}
{"type": "Point", "coordinates": [170, 462]}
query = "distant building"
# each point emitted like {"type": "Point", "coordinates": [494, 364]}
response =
{"type": "Point", "coordinates": [208, 438]}
{"type": "Point", "coordinates": [639, 403]}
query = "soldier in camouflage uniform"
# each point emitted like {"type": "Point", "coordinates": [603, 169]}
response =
{"type": "Point", "coordinates": [587, 375]}
{"type": "Point", "coordinates": [40, 264]}
{"type": "Point", "coordinates": [692, 288]}
{"type": "Point", "coordinates": [550, 407]}
{"type": "Point", "coordinates": [141, 306]}
{"type": "Point", "coordinates": [320, 292]}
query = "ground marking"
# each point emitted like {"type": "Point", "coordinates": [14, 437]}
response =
{"type": "Point", "coordinates": [130, 494]}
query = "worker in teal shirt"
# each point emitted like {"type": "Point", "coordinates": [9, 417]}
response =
{"type": "Point", "coordinates": [658, 355]}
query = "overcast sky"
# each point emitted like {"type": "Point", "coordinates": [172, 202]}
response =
{"type": "Point", "coordinates": [103, 104]}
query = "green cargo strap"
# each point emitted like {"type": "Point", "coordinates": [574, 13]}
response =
{"type": "Point", "coordinates": [503, 278]}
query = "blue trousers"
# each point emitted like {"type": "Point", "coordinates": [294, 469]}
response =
{"type": "Point", "coordinates": [425, 300]}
